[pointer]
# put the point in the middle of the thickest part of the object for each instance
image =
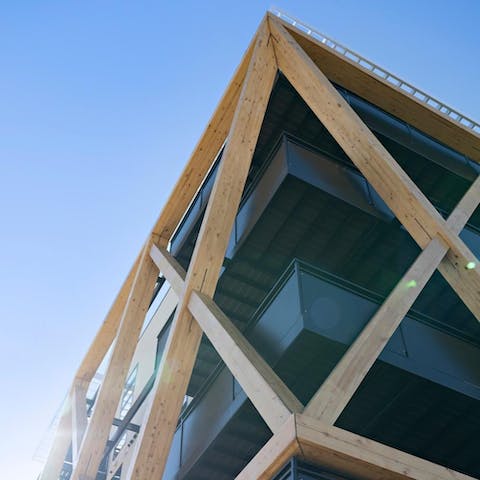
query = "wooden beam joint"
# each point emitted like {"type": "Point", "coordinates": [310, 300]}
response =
{"type": "Point", "coordinates": [399, 192]}
{"type": "Point", "coordinates": [341, 452]}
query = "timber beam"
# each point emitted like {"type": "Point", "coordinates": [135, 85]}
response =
{"type": "Point", "coordinates": [399, 192]}
{"type": "Point", "coordinates": [203, 156]}
{"type": "Point", "coordinates": [269, 395]}
{"type": "Point", "coordinates": [173, 272]}
{"type": "Point", "coordinates": [236, 124]}
{"type": "Point", "coordinates": [387, 96]}
{"type": "Point", "coordinates": [98, 430]}
{"type": "Point", "coordinates": [274, 454]}
{"type": "Point", "coordinates": [108, 330]}
{"type": "Point", "coordinates": [177, 362]}
{"type": "Point", "coordinates": [342, 453]}
{"type": "Point", "coordinates": [353, 455]}
{"type": "Point", "coordinates": [336, 391]}
{"type": "Point", "coordinates": [184, 191]}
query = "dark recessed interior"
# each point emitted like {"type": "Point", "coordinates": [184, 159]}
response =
{"type": "Point", "coordinates": [301, 221]}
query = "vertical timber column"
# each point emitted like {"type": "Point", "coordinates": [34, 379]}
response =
{"type": "Point", "coordinates": [177, 362]}
{"type": "Point", "coordinates": [92, 360]}
{"type": "Point", "coordinates": [98, 430]}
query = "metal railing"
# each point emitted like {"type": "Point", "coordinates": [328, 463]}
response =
{"type": "Point", "coordinates": [378, 71]}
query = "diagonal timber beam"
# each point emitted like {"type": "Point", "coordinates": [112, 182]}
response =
{"type": "Point", "coordinates": [274, 454]}
{"type": "Point", "coordinates": [337, 390]}
{"type": "Point", "coordinates": [354, 456]}
{"type": "Point", "coordinates": [399, 192]}
{"type": "Point", "coordinates": [203, 155]}
{"type": "Point", "coordinates": [173, 272]}
{"type": "Point", "coordinates": [270, 396]}
{"type": "Point", "coordinates": [98, 430]}
{"type": "Point", "coordinates": [85, 373]}
{"type": "Point", "coordinates": [342, 452]}
{"type": "Point", "coordinates": [107, 332]}
{"type": "Point", "coordinates": [177, 362]}
{"type": "Point", "coordinates": [190, 180]}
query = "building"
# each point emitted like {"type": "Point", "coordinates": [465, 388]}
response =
{"type": "Point", "coordinates": [316, 314]}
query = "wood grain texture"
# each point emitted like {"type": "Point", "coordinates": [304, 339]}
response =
{"type": "Point", "coordinates": [203, 155]}
{"type": "Point", "coordinates": [273, 455]}
{"type": "Point", "coordinates": [336, 391]}
{"type": "Point", "coordinates": [447, 268]}
{"type": "Point", "coordinates": [346, 73]}
{"type": "Point", "coordinates": [182, 345]}
{"type": "Point", "coordinates": [398, 191]}
{"type": "Point", "coordinates": [195, 171]}
{"type": "Point", "coordinates": [270, 396]}
{"type": "Point", "coordinates": [358, 457]}
{"type": "Point", "coordinates": [107, 332]}
{"type": "Point", "coordinates": [108, 398]}
{"type": "Point", "coordinates": [170, 268]}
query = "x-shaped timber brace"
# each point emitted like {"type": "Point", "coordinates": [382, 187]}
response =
{"type": "Point", "coordinates": [297, 430]}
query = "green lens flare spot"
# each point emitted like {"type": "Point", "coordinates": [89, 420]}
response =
{"type": "Point", "coordinates": [471, 265]}
{"type": "Point", "coordinates": [411, 284]}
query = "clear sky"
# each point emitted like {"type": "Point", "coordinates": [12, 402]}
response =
{"type": "Point", "coordinates": [101, 103]}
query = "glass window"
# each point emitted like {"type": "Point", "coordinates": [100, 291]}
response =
{"type": "Point", "coordinates": [127, 397]}
{"type": "Point", "coordinates": [120, 444]}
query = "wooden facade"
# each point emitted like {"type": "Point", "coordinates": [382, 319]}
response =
{"type": "Point", "coordinates": [305, 431]}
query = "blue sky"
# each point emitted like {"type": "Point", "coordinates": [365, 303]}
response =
{"type": "Point", "coordinates": [101, 104]}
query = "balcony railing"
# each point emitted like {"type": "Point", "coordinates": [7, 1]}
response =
{"type": "Point", "coordinates": [380, 72]}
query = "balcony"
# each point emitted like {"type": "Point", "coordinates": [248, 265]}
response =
{"type": "Point", "coordinates": [302, 328]}
{"type": "Point", "coordinates": [313, 253]}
